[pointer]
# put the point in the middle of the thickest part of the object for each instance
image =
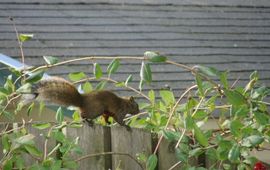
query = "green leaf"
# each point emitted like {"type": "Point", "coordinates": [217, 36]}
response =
{"type": "Point", "coordinates": [180, 155]}
{"type": "Point", "coordinates": [87, 87]}
{"type": "Point", "coordinates": [151, 162]}
{"type": "Point", "coordinates": [141, 84]}
{"type": "Point", "coordinates": [200, 114]}
{"type": "Point", "coordinates": [129, 79]}
{"type": "Point", "coordinates": [171, 135]}
{"type": "Point", "coordinates": [154, 56]}
{"type": "Point", "coordinates": [234, 153]}
{"type": "Point", "coordinates": [211, 154]}
{"type": "Point", "coordinates": [146, 73]}
{"type": "Point", "coordinates": [167, 97]}
{"type": "Point", "coordinates": [19, 162]}
{"type": "Point", "coordinates": [5, 143]}
{"type": "Point", "coordinates": [224, 79]}
{"type": "Point", "coordinates": [59, 136]}
{"type": "Point", "coordinates": [97, 71]}
{"type": "Point", "coordinates": [57, 165]}
{"type": "Point", "coordinates": [252, 141]}
{"type": "Point", "coordinates": [8, 165]}
{"type": "Point", "coordinates": [208, 71]}
{"type": "Point", "coordinates": [200, 84]}
{"type": "Point", "coordinates": [101, 85]}
{"type": "Point", "coordinates": [34, 77]}
{"type": "Point", "coordinates": [76, 116]}
{"type": "Point", "coordinates": [113, 66]}
{"type": "Point", "coordinates": [70, 165]}
{"type": "Point", "coordinates": [50, 60]}
{"type": "Point", "coordinates": [120, 84]}
{"type": "Point", "coordinates": [30, 108]}
{"type": "Point", "coordinates": [25, 37]}
{"type": "Point", "coordinates": [235, 98]}
{"type": "Point", "coordinates": [235, 127]}
{"type": "Point", "coordinates": [33, 150]}
{"type": "Point", "coordinates": [195, 152]}
{"type": "Point", "coordinates": [26, 139]}
{"type": "Point", "coordinates": [26, 88]}
{"type": "Point", "coordinates": [200, 136]}
{"type": "Point", "coordinates": [41, 126]}
{"type": "Point", "coordinates": [141, 157]}
{"type": "Point", "coordinates": [158, 59]}
{"type": "Point", "coordinates": [261, 118]}
{"type": "Point", "coordinates": [59, 115]}
{"type": "Point", "coordinates": [151, 95]}
{"type": "Point", "coordinates": [189, 123]}
{"type": "Point", "coordinates": [76, 76]}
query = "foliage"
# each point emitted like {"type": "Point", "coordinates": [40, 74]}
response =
{"type": "Point", "coordinates": [242, 122]}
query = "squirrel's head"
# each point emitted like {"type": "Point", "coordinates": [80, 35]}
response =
{"type": "Point", "coordinates": [134, 107]}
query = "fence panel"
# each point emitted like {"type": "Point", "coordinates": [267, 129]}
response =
{"type": "Point", "coordinates": [92, 140]}
{"type": "Point", "coordinates": [130, 142]}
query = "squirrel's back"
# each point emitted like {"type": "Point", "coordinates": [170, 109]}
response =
{"type": "Point", "coordinates": [57, 90]}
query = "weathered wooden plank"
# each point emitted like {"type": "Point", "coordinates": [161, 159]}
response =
{"type": "Point", "coordinates": [40, 136]}
{"type": "Point", "coordinates": [167, 157]}
{"type": "Point", "coordinates": [258, 3]}
{"type": "Point", "coordinates": [130, 142]}
{"type": "Point", "coordinates": [2, 129]}
{"type": "Point", "coordinates": [79, 12]}
{"type": "Point", "coordinates": [92, 140]}
{"type": "Point", "coordinates": [141, 36]}
{"type": "Point", "coordinates": [135, 51]}
{"type": "Point", "coordinates": [136, 44]}
{"type": "Point", "coordinates": [138, 21]}
{"type": "Point", "coordinates": [210, 60]}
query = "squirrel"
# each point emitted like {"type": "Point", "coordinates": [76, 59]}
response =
{"type": "Point", "coordinates": [91, 105]}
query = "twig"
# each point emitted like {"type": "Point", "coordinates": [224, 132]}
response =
{"type": "Point", "coordinates": [54, 149]}
{"type": "Point", "coordinates": [261, 102]}
{"type": "Point", "coordinates": [108, 153]}
{"type": "Point", "coordinates": [171, 114]}
{"type": "Point", "coordinates": [9, 101]}
{"type": "Point", "coordinates": [175, 165]}
{"type": "Point", "coordinates": [13, 129]}
{"type": "Point", "coordinates": [113, 81]}
{"type": "Point", "coordinates": [180, 139]}
{"type": "Point", "coordinates": [234, 83]}
{"type": "Point", "coordinates": [18, 39]}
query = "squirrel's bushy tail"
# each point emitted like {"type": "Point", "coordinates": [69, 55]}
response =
{"type": "Point", "coordinates": [55, 90]}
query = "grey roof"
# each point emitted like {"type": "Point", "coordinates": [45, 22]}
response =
{"type": "Point", "coordinates": [230, 35]}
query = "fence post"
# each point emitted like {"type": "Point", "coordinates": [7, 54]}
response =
{"type": "Point", "coordinates": [130, 142]}
{"type": "Point", "coordinates": [92, 140]}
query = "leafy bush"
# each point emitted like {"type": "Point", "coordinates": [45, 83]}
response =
{"type": "Point", "coordinates": [241, 115]}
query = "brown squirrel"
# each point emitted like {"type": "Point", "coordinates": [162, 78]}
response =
{"type": "Point", "coordinates": [96, 103]}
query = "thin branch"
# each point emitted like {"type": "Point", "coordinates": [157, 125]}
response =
{"type": "Point", "coordinates": [171, 114]}
{"type": "Point", "coordinates": [108, 153]}
{"type": "Point", "coordinates": [18, 39]}
{"type": "Point", "coordinates": [261, 102]}
{"type": "Point", "coordinates": [180, 139]}
{"type": "Point", "coordinates": [175, 165]}
{"type": "Point", "coordinates": [113, 81]}
{"type": "Point", "coordinates": [13, 129]}
{"type": "Point", "coordinates": [9, 101]}
{"type": "Point", "coordinates": [54, 149]}
{"type": "Point", "coordinates": [86, 58]}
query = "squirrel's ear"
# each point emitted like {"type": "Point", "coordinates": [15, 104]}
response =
{"type": "Point", "coordinates": [131, 98]}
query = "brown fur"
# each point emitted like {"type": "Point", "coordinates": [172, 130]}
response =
{"type": "Point", "coordinates": [93, 104]}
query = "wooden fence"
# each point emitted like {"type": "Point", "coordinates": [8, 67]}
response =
{"type": "Point", "coordinates": [100, 139]}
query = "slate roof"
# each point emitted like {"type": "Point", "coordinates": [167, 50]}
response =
{"type": "Point", "coordinates": [230, 35]}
